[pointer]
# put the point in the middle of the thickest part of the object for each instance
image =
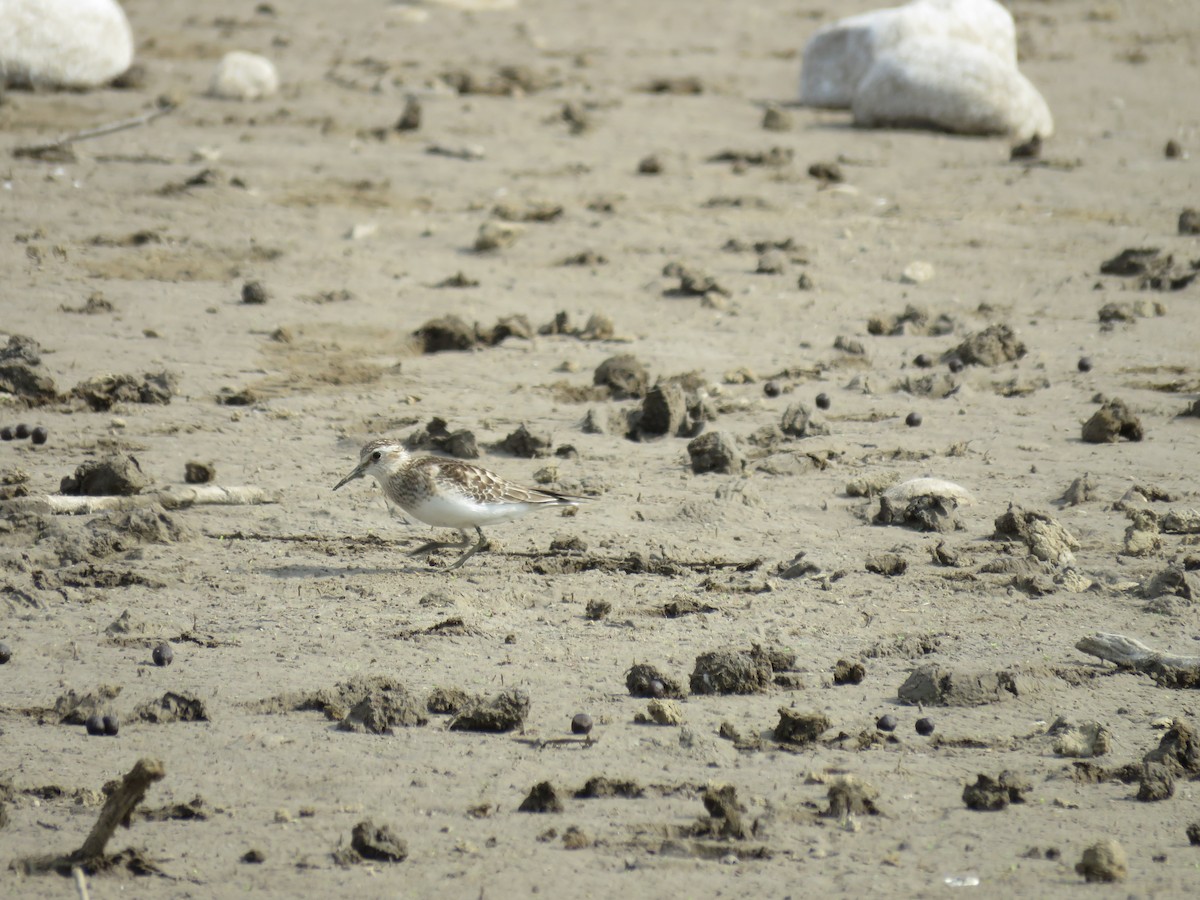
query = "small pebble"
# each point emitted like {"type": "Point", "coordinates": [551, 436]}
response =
{"type": "Point", "coordinates": [913, 420]}
{"type": "Point", "coordinates": [111, 726]}
{"type": "Point", "coordinates": [822, 401]}
{"type": "Point", "coordinates": [254, 856]}
{"type": "Point", "coordinates": [771, 388]}
{"type": "Point", "coordinates": [39, 435]}
{"type": "Point", "coordinates": [163, 655]}
{"type": "Point", "coordinates": [1085, 364]}
{"type": "Point", "coordinates": [955, 364]}
{"type": "Point", "coordinates": [22, 431]}
{"type": "Point", "coordinates": [1173, 149]}
{"type": "Point", "coordinates": [254, 292]}
{"type": "Point", "coordinates": [923, 361]}
{"type": "Point", "coordinates": [657, 688]}
{"type": "Point", "coordinates": [94, 725]}
{"type": "Point", "coordinates": [5, 653]}
{"type": "Point", "coordinates": [925, 726]}
{"type": "Point", "coordinates": [886, 723]}
{"type": "Point", "coordinates": [581, 724]}
{"type": "Point", "coordinates": [6, 434]}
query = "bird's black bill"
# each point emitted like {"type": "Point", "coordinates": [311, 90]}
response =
{"type": "Point", "coordinates": [357, 473]}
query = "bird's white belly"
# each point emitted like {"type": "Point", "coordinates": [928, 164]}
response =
{"type": "Point", "coordinates": [443, 511]}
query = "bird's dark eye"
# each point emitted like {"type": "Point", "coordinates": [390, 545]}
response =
{"type": "Point", "coordinates": [376, 455]}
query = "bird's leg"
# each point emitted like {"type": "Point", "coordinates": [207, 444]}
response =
{"type": "Point", "coordinates": [482, 542]}
{"type": "Point", "coordinates": [437, 545]}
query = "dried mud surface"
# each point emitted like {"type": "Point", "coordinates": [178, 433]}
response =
{"type": "Point", "coordinates": [248, 291]}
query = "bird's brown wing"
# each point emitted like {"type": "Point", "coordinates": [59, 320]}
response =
{"type": "Point", "coordinates": [483, 486]}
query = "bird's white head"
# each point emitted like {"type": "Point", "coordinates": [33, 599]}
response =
{"type": "Point", "coordinates": [379, 458]}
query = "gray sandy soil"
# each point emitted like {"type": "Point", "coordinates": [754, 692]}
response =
{"type": "Point", "coordinates": [350, 226]}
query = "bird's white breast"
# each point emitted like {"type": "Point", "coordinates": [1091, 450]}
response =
{"type": "Point", "coordinates": [457, 511]}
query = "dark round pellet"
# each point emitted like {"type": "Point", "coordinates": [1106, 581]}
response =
{"type": "Point", "coordinates": [39, 435]}
{"type": "Point", "coordinates": [822, 401]}
{"type": "Point", "coordinates": [1085, 364]}
{"type": "Point", "coordinates": [6, 433]}
{"type": "Point", "coordinates": [886, 723]}
{"type": "Point", "coordinates": [163, 655]}
{"type": "Point", "coordinates": [923, 361]}
{"type": "Point", "coordinates": [925, 726]}
{"type": "Point", "coordinates": [5, 653]}
{"type": "Point", "coordinates": [955, 364]}
{"type": "Point", "coordinates": [913, 420]}
{"type": "Point", "coordinates": [581, 724]}
{"type": "Point", "coordinates": [771, 388]}
{"type": "Point", "coordinates": [21, 431]}
{"type": "Point", "coordinates": [111, 725]}
{"type": "Point", "coordinates": [94, 725]}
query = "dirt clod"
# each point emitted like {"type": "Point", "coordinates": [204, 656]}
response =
{"type": "Point", "coordinates": [797, 727]}
{"type": "Point", "coordinates": [543, 798]}
{"type": "Point", "coordinates": [994, 345]}
{"type": "Point", "coordinates": [846, 672]}
{"type": "Point", "coordinates": [383, 711]}
{"type": "Point", "coordinates": [436, 435]}
{"type": "Point", "coordinates": [377, 843]}
{"type": "Point", "coordinates": [1111, 423]}
{"type": "Point", "coordinates": [715, 451]}
{"type": "Point", "coordinates": [990, 794]}
{"type": "Point", "coordinates": [199, 472]}
{"type": "Point", "coordinates": [1103, 862]}
{"type": "Point", "coordinates": [117, 475]}
{"type": "Point", "coordinates": [103, 392]}
{"type": "Point", "coordinates": [731, 672]}
{"type": "Point", "coordinates": [624, 375]}
{"type": "Point", "coordinates": [849, 795]}
{"type": "Point", "coordinates": [643, 680]}
{"type": "Point", "coordinates": [506, 711]}
{"type": "Point", "coordinates": [22, 374]}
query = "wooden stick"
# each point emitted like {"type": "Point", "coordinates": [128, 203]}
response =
{"type": "Point", "coordinates": [36, 150]}
{"type": "Point", "coordinates": [119, 805]}
{"type": "Point", "coordinates": [175, 497]}
{"type": "Point", "coordinates": [1128, 653]}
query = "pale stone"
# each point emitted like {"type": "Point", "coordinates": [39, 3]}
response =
{"type": "Point", "coordinates": [839, 55]}
{"type": "Point", "coordinates": [244, 76]}
{"type": "Point", "coordinates": [953, 86]}
{"type": "Point", "coordinates": [72, 44]}
{"type": "Point", "coordinates": [917, 272]}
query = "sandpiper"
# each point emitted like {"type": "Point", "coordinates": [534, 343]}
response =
{"type": "Point", "coordinates": [448, 493]}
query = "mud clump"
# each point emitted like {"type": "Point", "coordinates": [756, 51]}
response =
{"type": "Point", "coordinates": [692, 282]}
{"type": "Point", "coordinates": [1153, 269]}
{"type": "Point", "coordinates": [74, 709]}
{"type": "Point", "coordinates": [846, 672]}
{"type": "Point", "coordinates": [436, 435]}
{"type": "Point", "coordinates": [172, 707]}
{"type": "Point", "coordinates": [624, 375]}
{"type": "Point", "coordinates": [890, 565]}
{"type": "Point", "coordinates": [933, 685]}
{"type": "Point", "coordinates": [924, 513]}
{"type": "Point", "coordinates": [376, 843]}
{"type": "Point", "coordinates": [799, 728]}
{"type": "Point", "coordinates": [994, 345]}
{"type": "Point", "coordinates": [1155, 782]}
{"type": "Point", "coordinates": [851, 796]}
{"type": "Point", "coordinates": [1112, 422]}
{"type": "Point", "coordinates": [797, 422]}
{"type": "Point", "coordinates": [1046, 538]}
{"type": "Point", "coordinates": [1103, 862]}
{"type": "Point", "coordinates": [524, 443]}
{"type": "Point", "coordinates": [600, 787]}
{"type": "Point", "coordinates": [725, 814]}
{"type": "Point", "coordinates": [103, 392]}
{"type": "Point", "coordinates": [506, 711]}
{"type": "Point", "coordinates": [1178, 751]}
{"type": "Point", "coordinates": [383, 711]}
{"type": "Point", "coordinates": [446, 333]}
{"type": "Point", "coordinates": [443, 701]}
{"type": "Point", "coordinates": [731, 672]}
{"type": "Point", "coordinates": [989, 794]}
{"type": "Point", "coordinates": [716, 451]}
{"type": "Point", "coordinates": [664, 411]}
{"type": "Point", "coordinates": [643, 680]}
{"type": "Point", "coordinates": [543, 798]}
{"type": "Point", "coordinates": [195, 472]}
{"type": "Point", "coordinates": [22, 373]}
{"type": "Point", "coordinates": [118, 475]}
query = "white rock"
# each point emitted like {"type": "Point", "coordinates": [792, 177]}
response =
{"type": "Point", "coordinates": [950, 85]}
{"type": "Point", "coordinates": [63, 43]}
{"type": "Point", "coordinates": [917, 272]}
{"type": "Point", "coordinates": [244, 76]}
{"type": "Point", "coordinates": [946, 64]}
{"type": "Point", "coordinates": [839, 55]}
